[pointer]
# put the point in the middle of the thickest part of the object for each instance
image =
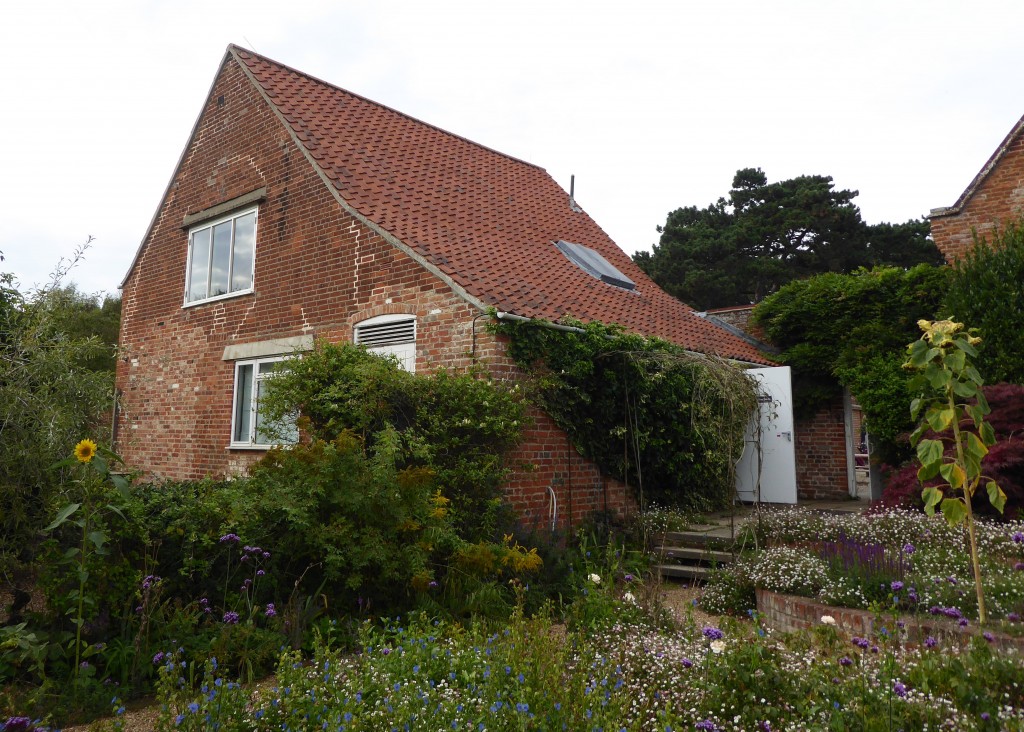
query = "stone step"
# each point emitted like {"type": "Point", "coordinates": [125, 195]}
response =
{"type": "Point", "coordinates": [682, 571]}
{"type": "Point", "coordinates": [720, 538]}
{"type": "Point", "coordinates": [694, 554]}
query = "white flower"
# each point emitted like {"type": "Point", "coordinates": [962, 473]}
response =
{"type": "Point", "coordinates": [596, 579]}
{"type": "Point", "coordinates": [717, 646]}
{"type": "Point", "coordinates": [628, 597]}
{"type": "Point", "coordinates": [828, 620]}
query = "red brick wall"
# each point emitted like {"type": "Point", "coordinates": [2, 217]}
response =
{"type": "Point", "coordinates": [997, 201]}
{"type": "Point", "coordinates": [318, 272]}
{"type": "Point", "coordinates": [821, 454]}
{"type": "Point", "coordinates": [789, 613]}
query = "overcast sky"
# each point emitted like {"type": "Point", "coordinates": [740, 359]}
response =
{"type": "Point", "coordinates": [653, 105]}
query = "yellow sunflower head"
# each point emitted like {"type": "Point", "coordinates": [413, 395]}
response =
{"type": "Point", "coordinates": [85, 450]}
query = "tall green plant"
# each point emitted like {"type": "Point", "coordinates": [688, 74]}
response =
{"type": "Point", "coordinates": [86, 510]}
{"type": "Point", "coordinates": [949, 388]}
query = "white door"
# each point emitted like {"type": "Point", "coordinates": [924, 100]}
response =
{"type": "Point", "coordinates": [775, 482]}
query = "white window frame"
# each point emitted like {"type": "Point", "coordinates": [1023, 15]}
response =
{"type": "Point", "coordinates": [402, 348]}
{"type": "Point", "coordinates": [252, 408]}
{"type": "Point", "coordinates": [209, 224]}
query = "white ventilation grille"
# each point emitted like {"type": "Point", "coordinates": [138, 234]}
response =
{"type": "Point", "coordinates": [393, 333]}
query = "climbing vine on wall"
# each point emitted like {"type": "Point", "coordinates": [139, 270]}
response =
{"type": "Point", "coordinates": [668, 422]}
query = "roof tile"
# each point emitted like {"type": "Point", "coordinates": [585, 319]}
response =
{"type": "Point", "coordinates": [488, 219]}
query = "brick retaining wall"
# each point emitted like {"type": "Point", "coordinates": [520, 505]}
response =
{"type": "Point", "coordinates": [789, 613]}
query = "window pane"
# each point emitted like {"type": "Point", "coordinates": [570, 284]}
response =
{"type": "Point", "coordinates": [245, 240]}
{"type": "Point", "coordinates": [243, 403]}
{"type": "Point", "coordinates": [267, 432]}
{"type": "Point", "coordinates": [221, 259]}
{"type": "Point", "coordinates": [200, 261]}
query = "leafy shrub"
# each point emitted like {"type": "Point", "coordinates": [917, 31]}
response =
{"type": "Point", "coordinates": [645, 411]}
{"type": "Point", "coordinates": [985, 291]}
{"type": "Point", "coordinates": [362, 523]}
{"type": "Point", "coordinates": [49, 399]}
{"type": "Point", "coordinates": [1004, 462]}
{"type": "Point", "coordinates": [851, 330]}
{"type": "Point", "coordinates": [460, 426]}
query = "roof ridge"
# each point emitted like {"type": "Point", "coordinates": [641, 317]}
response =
{"type": "Point", "coordinates": [236, 49]}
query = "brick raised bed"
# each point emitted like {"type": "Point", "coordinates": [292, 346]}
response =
{"type": "Point", "coordinates": [791, 613]}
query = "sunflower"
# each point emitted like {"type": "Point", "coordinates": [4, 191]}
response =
{"type": "Point", "coordinates": [85, 450]}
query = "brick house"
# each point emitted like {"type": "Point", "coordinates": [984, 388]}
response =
{"type": "Point", "coordinates": [993, 199]}
{"type": "Point", "coordinates": [300, 210]}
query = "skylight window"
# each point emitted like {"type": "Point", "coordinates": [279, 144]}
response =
{"type": "Point", "coordinates": [594, 264]}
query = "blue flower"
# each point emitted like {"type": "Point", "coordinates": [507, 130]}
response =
{"type": "Point", "coordinates": [193, 707]}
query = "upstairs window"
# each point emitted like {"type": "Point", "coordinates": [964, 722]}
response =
{"type": "Point", "coordinates": [249, 427]}
{"type": "Point", "coordinates": [594, 264]}
{"type": "Point", "coordinates": [220, 257]}
{"type": "Point", "coordinates": [390, 335]}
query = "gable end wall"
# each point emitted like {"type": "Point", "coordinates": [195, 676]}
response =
{"type": "Point", "coordinates": [997, 201]}
{"type": "Point", "coordinates": [318, 272]}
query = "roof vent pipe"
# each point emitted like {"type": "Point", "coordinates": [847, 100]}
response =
{"type": "Point", "coordinates": [572, 195]}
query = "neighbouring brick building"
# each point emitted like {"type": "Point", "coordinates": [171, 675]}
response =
{"type": "Point", "coordinates": [994, 199]}
{"type": "Point", "coordinates": [300, 210]}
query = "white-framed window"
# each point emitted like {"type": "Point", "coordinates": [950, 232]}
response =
{"type": "Point", "coordinates": [393, 335]}
{"type": "Point", "coordinates": [221, 257]}
{"type": "Point", "coordinates": [249, 428]}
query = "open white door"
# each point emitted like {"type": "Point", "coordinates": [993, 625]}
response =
{"type": "Point", "coordinates": [775, 482]}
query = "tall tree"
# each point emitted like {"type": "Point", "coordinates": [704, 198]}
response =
{"type": "Point", "coordinates": [742, 248]}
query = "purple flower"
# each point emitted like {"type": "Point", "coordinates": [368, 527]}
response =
{"type": "Point", "coordinates": [260, 573]}
{"type": "Point", "coordinates": [930, 642]}
{"type": "Point", "coordinates": [432, 584]}
{"type": "Point", "coordinates": [1012, 617]}
{"type": "Point", "coordinates": [707, 725]}
{"type": "Point", "coordinates": [861, 643]}
{"type": "Point", "coordinates": [629, 578]}
{"type": "Point", "coordinates": [985, 716]}
{"type": "Point", "coordinates": [896, 586]}
{"type": "Point", "coordinates": [230, 617]}
{"type": "Point", "coordinates": [1018, 537]}
{"type": "Point", "coordinates": [687, 663]}
{"type": "Point", "coordinates": [988, 636]}
{"type": "Point", "coordinates": [899, 688]}
{"type": "Point", "coordinates": [712, 633]}
{"type": "Point", "coordinates": [17, 724]}
{"type": "Point", "coordinates": [266, 555]}
{"type": "Point", "coordinates": [158, 657]}
{"type": "Point", "coordinates": [83, 664]}
{"type": "Point", "coordinates": [962, 622]}
{"type": "Point", "coordinates": [908, 548]}
{"type": "Point", "coordinates": [229, 538]}
{"type": "Point", "coordinates": [845, 661]}
{"type": "Point", "coordinates": [271, 611]}
{"type": "Point", "coordinates": [1019, 566]}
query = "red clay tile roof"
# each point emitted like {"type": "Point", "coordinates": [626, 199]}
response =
{"type": "Point", "coordinates": [486, 220]}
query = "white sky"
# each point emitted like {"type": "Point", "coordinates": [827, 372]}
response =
{"type": "Point", "coordinates": [653, 105]}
